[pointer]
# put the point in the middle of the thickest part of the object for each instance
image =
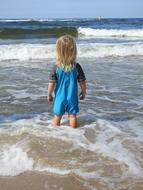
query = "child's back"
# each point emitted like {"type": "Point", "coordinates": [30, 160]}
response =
{"type": "Point", "coordinates": [66, 75]}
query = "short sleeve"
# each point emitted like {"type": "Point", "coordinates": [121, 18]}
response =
{"type": "Point", "coordinates": [81, 75]}
{"type": "Point", "coordinates": [53, 75]}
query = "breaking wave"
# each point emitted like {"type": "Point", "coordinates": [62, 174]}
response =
{"type": "Point", "coordinates": [110, 32]}
{"type": "Point", "coordinates": [45, 51]}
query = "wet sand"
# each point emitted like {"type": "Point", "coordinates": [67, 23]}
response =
{"type": "Point", "coordinates": [38, 181]}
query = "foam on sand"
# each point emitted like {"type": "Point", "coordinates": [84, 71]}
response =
{"type": "Point", "coordinates": [101, 138]}
{"type": "Point", "coordinates": [13, 161]}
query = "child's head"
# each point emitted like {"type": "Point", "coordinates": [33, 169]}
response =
{"type": "Point", "coordinates": [66, 52]}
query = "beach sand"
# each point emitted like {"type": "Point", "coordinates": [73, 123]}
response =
{"type": "Point", "coordinates": [38, 181]}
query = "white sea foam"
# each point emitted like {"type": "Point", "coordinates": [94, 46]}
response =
{"type": "Point", "coordinates": [14, 20]}
{"type": "Point", "coordinates": [41, 51]}
{"type": "Point", "coordinates": [23, 93]}
{"type": "Point", "coordinates": [40, 20]}
{"type": "Point", "coordinates": [110, 32]}
{"type": "Point", "coordinates": [114, 148]}
{"type": "Point", "coordinates": [52, 170]}
{"type": "Point", "coordinates": [13, 160]}
{"type": "Point", "coordinates": [26, 51]}
{"type": "Point", "coordinates": [26, 20]}
{"type": "Point", "coordinates": [101, 137]}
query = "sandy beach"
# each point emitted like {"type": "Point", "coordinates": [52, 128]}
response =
{"type": "Point", "coordinates": [38, 181]}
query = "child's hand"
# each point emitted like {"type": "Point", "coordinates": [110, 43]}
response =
{"type": "Point", "coordinates": [50, 98]}
{"type": "Point", "coordinates": [81, 96]}
{"type": "Point", "coordinates": [83, 90]}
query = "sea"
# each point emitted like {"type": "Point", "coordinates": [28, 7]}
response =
{"type": "Point", "coordinates": [106, 150]}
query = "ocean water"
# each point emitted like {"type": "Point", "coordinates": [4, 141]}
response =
{"type": "Point", "coordinates": [106, 150]}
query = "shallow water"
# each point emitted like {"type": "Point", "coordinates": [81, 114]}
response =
{"type": "Point", "coordinates": [105, 151]}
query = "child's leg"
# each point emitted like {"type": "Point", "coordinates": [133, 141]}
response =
{"type": "Point", "coordinates": [72, 120]}
{"type": "Point", "coordinates": [56, 120]}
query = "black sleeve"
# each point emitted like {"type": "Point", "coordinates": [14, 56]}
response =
{"type": "Point", "coordinates": [53, 75]}
{"type": "Point", "coordinates": [81, 75]}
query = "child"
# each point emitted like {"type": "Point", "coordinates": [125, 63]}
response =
{"type": "Point", "coordinates": [63, 78]}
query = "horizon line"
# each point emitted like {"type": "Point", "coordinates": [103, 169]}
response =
{"type": "Point", "coordinates": [98, 17]}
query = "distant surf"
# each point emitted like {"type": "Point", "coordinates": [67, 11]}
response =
{"type": "Point", "coordinates": [118, 33]}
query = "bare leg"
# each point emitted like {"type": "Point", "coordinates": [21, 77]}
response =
{"type": "Point", "coordinates": [73, 120]}
{"type": "Point", "coordinates": [56, 120]}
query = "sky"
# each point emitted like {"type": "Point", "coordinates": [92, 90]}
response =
{"type": "Point", "coordinates": [71, 9]}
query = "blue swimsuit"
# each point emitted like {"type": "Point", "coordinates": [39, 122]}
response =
{"type": "Point", "coordinates": [66, 90]}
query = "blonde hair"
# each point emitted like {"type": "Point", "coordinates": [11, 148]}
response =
{"type": "Point", "coordinates": [66, 52]}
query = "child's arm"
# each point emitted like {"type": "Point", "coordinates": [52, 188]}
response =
{"type": "Point", "coordinates": [83, 90]}
{"type": "Point", "coordinates": [82, 81]}
{"type": "Point", "coordinates": [51, 84]}
{"type": "Point", "coordinates": [51, 87]}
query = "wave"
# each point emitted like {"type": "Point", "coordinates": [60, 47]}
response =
{"type": "Point", "coordinates": [39, 32]}
{"type": "Point", "coordinates": [91, 50]}
{"type": "Point", "coordinates": [26, 20]}
{"type": "Point", "coordinates": [9, 156]}
{"type": "Point", "coordinates": [110, 32]}
{"type": "Point", "coordinates": [15, 20]}
{"type": "Point", "coordinates": [48, 19]}
{"type": "Point", "coordinates": [110, 50]}
{"type": "Point", "coordinates": [100, 138]}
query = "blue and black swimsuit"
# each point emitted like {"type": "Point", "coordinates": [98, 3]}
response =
{"type": "Point", "coordinates": [66, 90]}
